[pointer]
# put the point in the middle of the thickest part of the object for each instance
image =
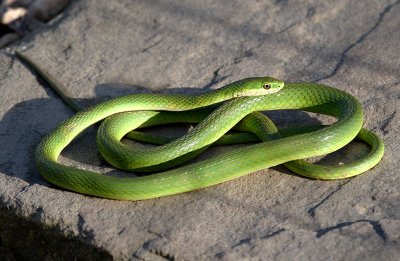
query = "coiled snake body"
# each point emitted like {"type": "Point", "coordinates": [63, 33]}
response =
{"type": "Point", "coordinates": [242, 100]}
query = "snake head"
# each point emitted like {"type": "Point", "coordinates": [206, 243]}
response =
{"type": "Point", "coordinates": [257, 86]}
{"type": "Point", "coordinates": [270, 84]}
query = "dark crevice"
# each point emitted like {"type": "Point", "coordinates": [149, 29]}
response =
{"type": "Point", "coordinates": [242, 242]}
{"type": "Point", "coordinates": [267, 236]}
{"type": "Point", "coordinates": [310, 12]}
{"type": "Point", "coordinates": [284, 30]}
{"type": "Point", "coordinates": [386, 122]}
{"type": "Point", "coordinates": [281, 2]}
{"type": "Point", "coordinates": [376, 226]}
{"type": "Point", "coordinates": [156, 23]}
{"type": "Point", "coordinates": [89, 234]}
{"type": "Point", "coordinates": [166, 256]}
{"type": "Point", "coordinates": [12, 61]}
{"type": "Point", "coordinates": [246, 54]}
{"type": "Point", "coordinates": [215, 79]}
{"type": "Point", "coordinates": [360, 39]}
{"type": "Point", "coordinates": [67, 51]}
{"type": "Point", "coordinates": [151, 46]}
{"type": "Point", "coordinates": [394, 84]}
{"type": "Point", "coordinates": [311, 211]}
{"type": "Point", "coordinates": [148, 246]}
{"type": "Point", "coordinates": [378, 229]}
{"type": "Point", "coordinates": [246, 241]}
{"type": "Point", "coordinates": [25, 188]}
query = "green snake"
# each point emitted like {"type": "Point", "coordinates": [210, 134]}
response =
{"type": "Point", "coordinates": [236, 106]}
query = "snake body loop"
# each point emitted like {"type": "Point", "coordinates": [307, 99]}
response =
{"type": "Point", "coordinates": [242, 101]}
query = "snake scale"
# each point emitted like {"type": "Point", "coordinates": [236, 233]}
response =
{"type": "Point", "coordinates": [238, 108]}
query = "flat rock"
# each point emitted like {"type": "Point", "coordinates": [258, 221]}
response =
{"type": "Point", "coordinates": [100, 49]}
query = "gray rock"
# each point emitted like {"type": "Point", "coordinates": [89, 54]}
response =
{"type": "Point", "coordinates": [103, 49]}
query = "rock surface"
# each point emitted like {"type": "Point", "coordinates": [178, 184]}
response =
{"type": "Point", "coordinates": [101, 49]}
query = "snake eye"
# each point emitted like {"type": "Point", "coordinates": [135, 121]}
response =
{"type": "Point", "coordinates": [267, 86]}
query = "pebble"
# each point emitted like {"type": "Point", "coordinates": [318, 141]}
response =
{"type": "Point", "coordinates": [23, 16]}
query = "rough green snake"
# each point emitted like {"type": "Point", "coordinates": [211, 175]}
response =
{"type": "Point", "coordinates": [237, 106]}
